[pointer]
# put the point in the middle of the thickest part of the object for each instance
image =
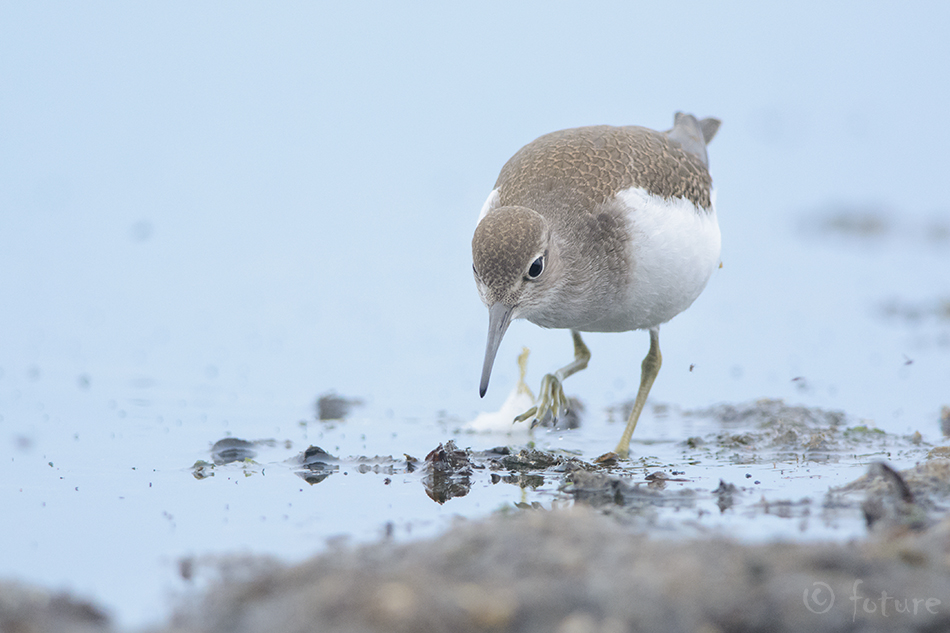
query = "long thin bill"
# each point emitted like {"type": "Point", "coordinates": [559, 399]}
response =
{"type": "Point", "coordinates": [499, 317]}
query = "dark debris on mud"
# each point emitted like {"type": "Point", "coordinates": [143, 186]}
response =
{"type": "Point", "coordinates": [448, 470]}
{"type": "Point", "coordinates": [448, 473]}
{"type": "Point", "coordinates": [765, 431]}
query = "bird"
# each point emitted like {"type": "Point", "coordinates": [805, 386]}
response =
{"type": "Point", "coordinates": [598, 229]}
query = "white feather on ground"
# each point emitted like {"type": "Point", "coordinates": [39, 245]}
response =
{"type": "Point", "coordinates": [518, 401]}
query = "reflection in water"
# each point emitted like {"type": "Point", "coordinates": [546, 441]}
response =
{"type": "Point", "coordinates": [521, 480]}
{"type": "Point", "coordinates": [202, 469]}
{"type": "Point", "coordinates": [318, 463]}
{"type": "Point", "coordinates": [231, 449]}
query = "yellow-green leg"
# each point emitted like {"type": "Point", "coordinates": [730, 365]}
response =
{"type": "Point", "coordinates": [648, 371]}
{"type": "Point", "coordinates": [551, 399]}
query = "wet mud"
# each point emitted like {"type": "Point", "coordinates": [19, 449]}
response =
{"type": "Point", "coordinates": [577, 570]}
{"type": "Point", "coordinates": [613, 546]}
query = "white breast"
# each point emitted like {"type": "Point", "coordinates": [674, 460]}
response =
{"type": "Point", "coordinates": [675, 250]}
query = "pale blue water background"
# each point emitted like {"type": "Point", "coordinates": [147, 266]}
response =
{"type": "Point", "coordinates": [210, 215]}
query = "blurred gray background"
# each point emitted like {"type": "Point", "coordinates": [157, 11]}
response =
{"type": "Point", "coordinates": [286, 192]}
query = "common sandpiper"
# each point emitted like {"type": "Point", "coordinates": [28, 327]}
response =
{"type": "Point", "coordinates": [598, 229]}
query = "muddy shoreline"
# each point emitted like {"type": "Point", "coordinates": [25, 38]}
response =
{"type": "Point", "coordinates": [594, 560]}
{"type": "Point", "coordinates": [566, 570]}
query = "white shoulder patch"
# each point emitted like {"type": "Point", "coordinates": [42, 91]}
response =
{"type": "Point", "coordinates": [490, 204]}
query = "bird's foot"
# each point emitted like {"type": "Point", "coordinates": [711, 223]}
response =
{"type": "Point", "coordinates": [552, 403]}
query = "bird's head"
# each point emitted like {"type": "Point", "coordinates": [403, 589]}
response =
{"type": "Point", "coordinates": [512, 261]}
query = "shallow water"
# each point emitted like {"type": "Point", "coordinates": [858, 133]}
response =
{"type": "Point", "coordinates": [194, 246]}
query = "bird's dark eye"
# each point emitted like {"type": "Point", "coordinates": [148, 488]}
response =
{"type": "Point", "coordinates": [537, 267]}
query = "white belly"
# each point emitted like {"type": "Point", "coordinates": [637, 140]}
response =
{"type": "Point", "coordinates": [675, 250]}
